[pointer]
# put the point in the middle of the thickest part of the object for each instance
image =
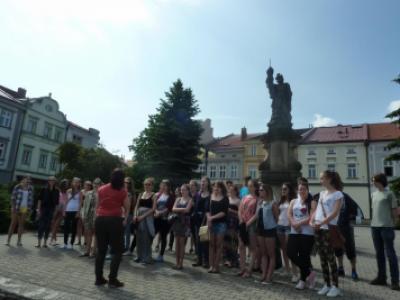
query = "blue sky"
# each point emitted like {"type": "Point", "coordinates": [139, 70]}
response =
{"type": "Point", "coordinates": [109, 62]}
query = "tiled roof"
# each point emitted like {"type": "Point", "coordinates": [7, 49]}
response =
{"type": "Point", "coordinates": [77, 126]}
{"type": "Point", "coordinates": [231, 141]}
{"type": "Point", "coordinates": [383, 132]}
{"type": "Point", "coordinates": [336, 134]}
{"type": "Point", "coordinates": [5, 95]}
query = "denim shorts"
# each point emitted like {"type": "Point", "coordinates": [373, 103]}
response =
{"type": "Point", "coordinates": [218, 228]}
{"type": "Point", "coordinates": [283, 230]}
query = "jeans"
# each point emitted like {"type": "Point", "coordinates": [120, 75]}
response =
{"type": "Point", "coordinates": [383, 238]}
{"type": "Point", "coordinates": [44, 226]}
{"type": "Point", "coordinates": [127, 232]}
{"type": "Point", "coordinates": [299, 250]}
{"type": "Point", "coordinates": [109, 232]}
{"type": "Point", "coordinates": [70, 223]}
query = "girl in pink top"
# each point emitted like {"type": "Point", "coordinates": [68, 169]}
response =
{"type": "Point", "coordinates": [247, 211]}
{"type": "Point", "coordinates": [60, 211]}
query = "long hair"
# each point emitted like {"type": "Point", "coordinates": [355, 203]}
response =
{"type": "Point", "coordinates": [291, 194]}
{"type": "Point", "coordinates": [256, 185]}
{"type": "Point", "coordinates": [64, 185]}
{"type": "Point", "coordinates": [221, 185]}
{"type": "Point", "coordinates": [209, 187]}
{"type": "Point", "coordinates": [268, 190]}
{"type": "Point", "coordinates": [117, 179]}
{"type": "Point", "coordinates": [334, 179]}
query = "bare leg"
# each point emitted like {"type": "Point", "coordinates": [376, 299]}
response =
{"type": "Point", "coordinates": [21, 223]}
{"type": "Point", "coordinates": [283, 244]}
{"type": "Point", "coordinates": [242, 256]}
{"type": "Point", "coordinates": [270, 249]}
{"type": "Point", "coordinates": [253, 253]}
{"type": "Point", "coordinates": [264, 262]}
{"type": "Point", "coordinates": [211, 253]}
{"type": "Point", "coordinates": [11, 229]}
{"type": "Point", "coordinates": [182, 254]}
{"type": "Point", "coordinates": [219, 248]}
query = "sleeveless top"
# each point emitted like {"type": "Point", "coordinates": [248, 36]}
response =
{"type": "Point", "coordinates": [283, 218]}
{"type": "Point", "coordinates": [266, 219]}
{"type": "Point", "coordinates": [73, 203]}
{"type": "Point", "coordinates": [146, 202]}
{"type": "Point", "coordinates": [300, 212]}
{"type": "Point", "coordinates": [184, 218]}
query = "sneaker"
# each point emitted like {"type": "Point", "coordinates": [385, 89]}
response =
{"type": "Point", "coordinates": [378, 281]}
{"type": "Point", "coordinates": [325, 289]}
{"type": "Point", "coordinates": [300, 285]}
{"type": "Point", "coordinates": [341, 271]}
{"type": "Point", "coordinates": [64, 247]}
{"type": "Point", "coordinates": [295, 278]}
{"type": "Point", "coordinates": [311, 280]}
{"type": "Point", "coordinates": [160, 259]}
{"type": "Point", "coordinates": [127, 253]}
{"type": "Point", "coordinates": [101, 281]}
{"type": "Point", "coordinates": [115, 283]}
{"type": "Point", "coordinates": [70, 247]}
{"type": "Point", "coordinates": [333, 292]}
{"type": "Point", "coordinates": [354, 275]}
{"type": "Point", "coordinates": [108, 257]}
{"type": "Point", "coordinates": [395, 287]}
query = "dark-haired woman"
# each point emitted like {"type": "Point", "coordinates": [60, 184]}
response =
{"type": "Point", "coordinates": [48, 201]}
{"type": "Point", "coordinates": [164, 204]}
{"type": "Point", "coordinates": [287, 194]}
{"type": "Point", "coordinates": [60, 210]}
{"type": "Point", "coordinates": [216, 221]}
{"type": "Point", "coordinates": [194, 192]}
{"type": "Point", "coordinates": [144, 212]}
{"type": "Point", "coordinates": [231, 237]}
{"type": "Point", "coordinates": [247, 227]}
{"type": "Point", "coordinates": [327, 213]}
{"type": "Point", "coordinates": [72, 212]}
{"type": "Point", "coordinates": [199, 212]}
{"type": "Point", "coordinates": [21, 205]}
{"type": "Point", "coordinates": [130, 189]}
{"type": "Point", "coordinates": [109, 227]}
{"type": "Point", "coordinates": [267, 216]}
{"type": "Point", "coordinates": [181, 227]}
{"type": "Point", "coordinates": [301, 238]}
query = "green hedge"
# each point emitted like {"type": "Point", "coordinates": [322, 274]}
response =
{"type": "Point", "coordinates": [5, 196]}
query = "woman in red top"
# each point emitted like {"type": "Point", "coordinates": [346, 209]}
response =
{"type": "Point", "coordinates": [109, 226]}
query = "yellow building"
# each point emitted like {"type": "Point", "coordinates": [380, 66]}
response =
{"type": "Point", "coordinates": [254, 154]}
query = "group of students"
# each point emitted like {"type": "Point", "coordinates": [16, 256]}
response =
{"type": "Point", "coordinates": [247, 228]}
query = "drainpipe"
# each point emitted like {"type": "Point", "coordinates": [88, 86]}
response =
{"type": "Point", "coordinates": [368, 179]}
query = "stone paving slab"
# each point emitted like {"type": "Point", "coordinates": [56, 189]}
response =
{"type": "Point", "coordinates": [59, 274]}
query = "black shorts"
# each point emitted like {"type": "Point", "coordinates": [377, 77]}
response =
{"type": "Point", "coordinates": [267, 233]}
{"type": "Point", "coordinates": [349, 245]}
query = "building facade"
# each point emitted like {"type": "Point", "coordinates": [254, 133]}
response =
{"type": "Point", "coordinates": [44, 130]}
{"type": "Point", "coordinates": [254, 154]}
{"type": "Point", "coordinates": [11, 117]}
{"type": "Point", "coordinates": [87, 138]}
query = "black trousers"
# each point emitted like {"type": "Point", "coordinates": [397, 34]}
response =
{"type": "Point", "coordinates": [109, 232]}
{"type": "Point", "coordinates": [299, 250]}
{"type": "Point", "coordinates": [202, 248]}
{"type": "Point", "coordinates": [70, 223]}
{"type": "Point", "coordinates": [44, 225]}
{"type": "Point", "coordinates": [162, 226]}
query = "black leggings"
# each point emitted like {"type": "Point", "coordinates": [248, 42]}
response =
{"type": "Point", "coordinates": [299, 250]}
{"type": "Point", "coordinates": [162, 226]}
{"type": "Point", "coordinates": [44, 226]}
{"type": "Point", "coordinates": [70, 223]}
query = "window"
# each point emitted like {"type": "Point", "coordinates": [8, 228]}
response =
{"type": "Point", "coordinates": [331, 151]}
{"type": "Point", "coordinates": [27, 156]}
{"type": "Point", "coordinates": [388, 168]}
{"type": "Point", "coordinates": [252, 172]}
{"type": "Point", "coordinates": [3, 148]}
{"type": "Point", "coordinates": [351, 150]}
{"type": "Point", "coordinates": [43, 160]}
{"type": "Point", "coordinates": [32, 125]}
{"type": "Point", "coordinates": [253, 150]}
{"type": "Point", "coordinates": [234, 171]}
{"type": "Point", "coordinates": [312, 171]}
{"type": "Point", "coordinates": [222, 171]}
{"type": "Point", "coordinates": [53, 163]}
{"type": "Point", "coordinates": [48, 131]}
{"type": "Point", "coordinates": [213, 171]}
{"type": "Point", "coordinates": [77, 139]}
{"type": "Point", "coordinates": [311, 151]}
{"type": "Point", "coordinates": [6, 118]}
{"type": "Point", "coordinates": [58, 135]}
{"type": "Point", "coordinates": [351, 171]}
{"type": "Point", "coordinates": [332, 167]}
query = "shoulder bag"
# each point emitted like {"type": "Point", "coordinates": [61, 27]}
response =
{"type": "Point", "coordinates": [336, 239]}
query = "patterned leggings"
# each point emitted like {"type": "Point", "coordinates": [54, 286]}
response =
{"type": "Point", "coordinates": [327, 257]}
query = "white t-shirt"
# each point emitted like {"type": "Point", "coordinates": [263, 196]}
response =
{"type": "Point", "coordinates": [73, 203]}
{"type": "Point", "coordinates": [24, 202]}
{"type": "Point", "coordinates": [300, 213]}
{"type": "Point", "coordinates": [328, 200]}
{"type": "Point", "coordinates": [283, 219]}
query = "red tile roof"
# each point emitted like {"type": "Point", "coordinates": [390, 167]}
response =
{"type": "Point", "coordinates": [231, 141]}
{"type": "Point", "coordinates": [383, 132]}
{"type": "Point", "coordinates": [336, 134]}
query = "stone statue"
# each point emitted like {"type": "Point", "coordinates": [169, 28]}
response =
{"type": "Point", "coordinates": [281, 96]}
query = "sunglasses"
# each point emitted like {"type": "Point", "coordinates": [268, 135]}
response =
{"type": "Point", "coordinates": [261, 190]}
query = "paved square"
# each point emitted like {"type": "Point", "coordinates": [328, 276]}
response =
{"type": "Point", "coordinates": [58, 274]}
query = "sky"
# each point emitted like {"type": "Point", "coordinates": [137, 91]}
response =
{"type": "Point", "coordinates": [108, 63]}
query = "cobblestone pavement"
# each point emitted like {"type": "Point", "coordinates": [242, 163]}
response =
{"type": "Point", "coordinates": [59, 274]}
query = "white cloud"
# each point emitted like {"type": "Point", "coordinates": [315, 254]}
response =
{"type": "Point", "coordinates": [321, 121]}
{"type": "Point", "coordinates": [394, 105]}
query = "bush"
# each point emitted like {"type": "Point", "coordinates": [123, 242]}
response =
{"type": "Point", "coordinates": [5, 212]}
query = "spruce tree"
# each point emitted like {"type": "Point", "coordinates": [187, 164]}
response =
{"type": "Point", "coordinates": [170, 145]}
{"type": "Point", "coordinates": [395, 116]}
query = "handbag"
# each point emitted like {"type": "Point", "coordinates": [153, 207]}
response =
{"type": "Point", "coordinates": [336, 239]}
{"type": "Point", "coordinates": [204, 234]}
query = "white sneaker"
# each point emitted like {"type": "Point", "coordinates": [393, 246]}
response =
{"type": "Point", "coordinates": [324, 290]}
{"type": "Point", "coordinates": [64, 246]}
{"type": "Point", "coordinates": [300, 285]}
{"type": "Point", "coordinates": [295, 278]}
{"type": "Point", "coordinates": [70, 247]}
{"type": "Point", "coordinates": [334, 292]}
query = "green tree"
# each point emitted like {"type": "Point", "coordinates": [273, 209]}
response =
{"type": "Point", "coordinates": [395, 116]}
{"type": "Point", "coordinates": [170, 145]}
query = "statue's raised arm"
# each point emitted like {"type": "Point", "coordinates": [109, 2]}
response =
{"type": "Point", "coordinates": [270, 82]}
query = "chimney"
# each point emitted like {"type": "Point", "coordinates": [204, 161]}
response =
{"type": "Point", "coordinates": [50, 95]}
{"type": "Point", "coordinates": [243, 135]}
{"type": "Point", "coordinates": [21, 93]}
